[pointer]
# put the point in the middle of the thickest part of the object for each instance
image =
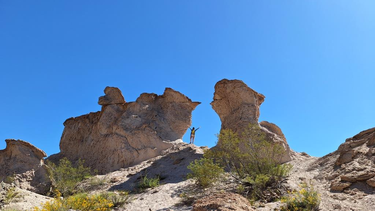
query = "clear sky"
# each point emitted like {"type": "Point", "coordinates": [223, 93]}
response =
{"type": "Point", "coordinates": [314, 60]}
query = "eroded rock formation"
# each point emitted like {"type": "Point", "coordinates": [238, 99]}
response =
{"type": "Point", "coordinates": [238, 106]}
{"type": "Point", "coordinates": [352, 166]}
{"type": "Point", "coordinates": [123, 134]}
{"type": "Point", "coordinates": [23, 164]}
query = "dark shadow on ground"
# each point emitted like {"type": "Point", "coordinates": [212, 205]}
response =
{"type": "Point", "coordinates": [171, 168]}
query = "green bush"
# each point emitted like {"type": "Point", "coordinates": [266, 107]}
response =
{"type": "Point", "coordinates": [204, 171]}
{"type": "Point", "coordinates": [251, 159]}
{"type": "Point", "coordinates": [148, 182]}
{"type": "Point", "coordinates": [65, 176]}
{"type": "Point", "coordinates": [307, 199]}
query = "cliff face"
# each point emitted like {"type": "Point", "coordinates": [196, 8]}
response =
{"type": "Point", "coordinates": [238, 106]}
{"type": "Point", "coordinates": [24, 163]}
{"type": "Point", "coordinates": [123, 134]}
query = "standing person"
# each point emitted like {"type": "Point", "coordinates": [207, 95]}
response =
{"type": "Point", "coordinates": [192, 134]}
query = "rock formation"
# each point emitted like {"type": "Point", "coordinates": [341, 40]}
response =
{"type": "Point", "coordinates": [23, 164]}
{"type": "Point", "coordinates": [123, 134]}
{"type": "Point", "coordinates": [238, 106]}
{"type": "Point", "coordinates": [223, 202]}
{"type": "Point", "coordinates": [352, 165]}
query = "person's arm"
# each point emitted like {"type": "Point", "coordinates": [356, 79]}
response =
{"type": "Point", "coordinates": [189, 128]}
{"type": "Point", "coordinates": [197, 129]}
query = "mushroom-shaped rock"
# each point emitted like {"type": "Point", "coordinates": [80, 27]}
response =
{"type": "Point", "coordinates": [121, 135]}
{"type": "Point", "coordinates": [24, 162]}
{"type": "Point", "coordinates": [238, 106]}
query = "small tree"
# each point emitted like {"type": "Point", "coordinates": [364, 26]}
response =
{"type": "Point", "coordinates": [204, 171]}
{"type": "Point", "coordinates": [65, 176]}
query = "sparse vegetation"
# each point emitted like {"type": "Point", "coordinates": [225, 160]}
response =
{"type": "Point", "coordinates": [10, 195]}
{"type": "Point", "coordinates": [204, 171]}
{"type": "Point", "coordinates": [65, 176]}
{"type": "Point", "coordinates": [252, 160]}
{"type": "Point", "coordinates": [118, 199]}
{"type": "Point", "coordinates": [306, 199]}
{"type": "Point", "coordinates": [97, 181]}
{"type": "Point", "coordinates": [10, 179]}
{"type": "Point", "coordinates": [81, 201]}
{"type": "Point", "coordinates": [10, 209]}
{"type": "Point", "coordinates": [146, 182]}
{"type": "Point", "coordinates": [186, 199]}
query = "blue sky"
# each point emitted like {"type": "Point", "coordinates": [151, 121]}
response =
{"type": "Point", "coordinates": [313, 60]}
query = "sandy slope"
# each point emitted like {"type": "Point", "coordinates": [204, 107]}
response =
{"type": "Point", "coordinates": [171, 167]}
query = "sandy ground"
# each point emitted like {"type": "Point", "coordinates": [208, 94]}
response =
{"type": "Point", "coordinates": [27, 201]}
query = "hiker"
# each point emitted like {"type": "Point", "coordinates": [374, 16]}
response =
{"type": "Point", "coordinates": [192, 134]}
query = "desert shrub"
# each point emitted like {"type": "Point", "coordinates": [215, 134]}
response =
{"type": "Point", "coordinates": [10, 195]}
{"type": "Point", "coordinates": [204, 171]}
{"type": "Point", "coordinates": [148, 182]}
{"type": "Point", "coordinates": [65, 176]}
{"type": "Point", "coordinates": [252, 160]}
{"type": "Point", "coordinates": [306, 199]}
{"type": "Point", "coordinates": [249, 154]}
{"type": "Point", "coordinates": [97, 181]}
{"type": "Point", "coordinates": [81, 201]}
{"type": "Point", "coordinates": [118, 198]}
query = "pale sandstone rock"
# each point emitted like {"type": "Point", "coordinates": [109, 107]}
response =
{"type": "Point", "coordinates": [238, 106]}
{"type": "Point", "coordinates": [124, 134]}
{"type": "Point", "coordinates": [222, 202]}
{"type": "Point", "coordinates": [274, 129]}
{"type": "Point", "coordinates": [352, 165]}
{"type": "Point", "coordinates": [24, 163]}
{"type": "Point", "coordinates": [371, 182]}
{"type": "Point", "coordinates": [339, 185]}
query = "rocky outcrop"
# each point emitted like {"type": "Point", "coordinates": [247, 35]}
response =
{"type": "Point", "coordinates": [352, 165]}
{"type": "Point", "coordinates": [238, 106]}
{"type": "Point", "coordinates": [22, 164]}
{"type": "Point", "coordinates": [112, 95]}
{"type": "Point", "coordinates": [222, 202]}
{"type": "Point", "coordinates": [123, 134]}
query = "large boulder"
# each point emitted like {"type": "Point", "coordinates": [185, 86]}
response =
{"type": "Point", "coordinates": [23, 164]}
{"type": "Point", "coordinates": [352, 165]}
{"type": "Point", "coordinates": [238, 106]}
{"type": "Point", "coordinates": [123, 134]}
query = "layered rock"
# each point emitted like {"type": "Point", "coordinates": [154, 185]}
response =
{"type": "Point", "coordinates": [222, 202]}
{"type": "Point", "coordinates": [238, 106]}
{"type": "Point", "coordinates": [23, 164]}
{"type": "Point", "coordinates": [123, 134]}
{"type": "Point", "coordinates": [352, 165]}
